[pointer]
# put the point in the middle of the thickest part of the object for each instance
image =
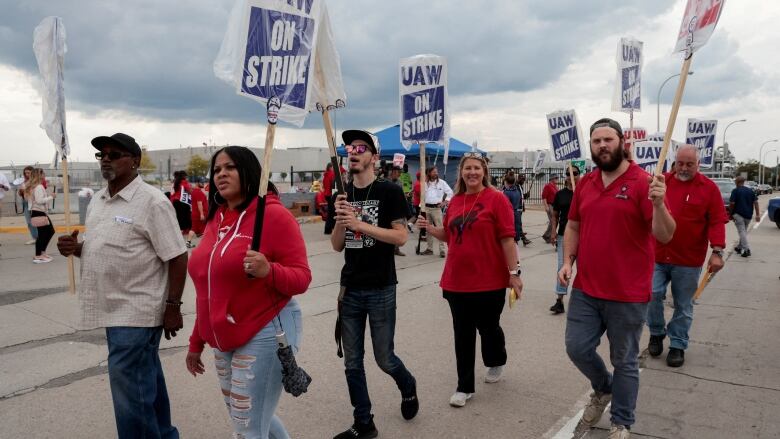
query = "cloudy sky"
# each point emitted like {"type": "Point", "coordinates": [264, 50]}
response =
{"type": "Point", "coordinates": [144, 67]}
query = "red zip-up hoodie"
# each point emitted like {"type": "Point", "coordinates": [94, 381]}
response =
{"type": "Point", "coordinates": [230, 307]}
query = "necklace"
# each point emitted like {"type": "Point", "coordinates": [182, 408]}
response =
{"type": "Point", "coordinates": [464, 215]}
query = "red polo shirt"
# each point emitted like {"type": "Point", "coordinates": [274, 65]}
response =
{"type": "Point", "coordinates": [549, 191]}
{"type": "Point", "coordinates": [697, 208]}
{"type": "Point", "coordinates": [615, 252]}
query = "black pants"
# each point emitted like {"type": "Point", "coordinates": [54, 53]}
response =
{"type": "Point", "coordinates": [472, 312]}
{"type": "Point", "coordinates": [45, 234]}
{"type": "Point", "coordinates": [330, 222]}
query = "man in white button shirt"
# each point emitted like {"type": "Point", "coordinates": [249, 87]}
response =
{"type": "Point", "coordinates": [437, 194]}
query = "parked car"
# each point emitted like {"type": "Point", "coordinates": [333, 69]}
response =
{"type": "Point", "coordinates": [753, 185]}
{"type": "Point", "coordinates": [726, 185]}
{"type": "Point", "coordinates": [765, 188]}
{"type": "Point", "coordinates": [773, 210]}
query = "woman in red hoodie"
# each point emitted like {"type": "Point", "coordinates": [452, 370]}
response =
{"type": "Point", "coordinates": [239, 316]}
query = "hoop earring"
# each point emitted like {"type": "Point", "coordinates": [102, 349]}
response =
{"type": "Point", "coordinates": [218, 199]}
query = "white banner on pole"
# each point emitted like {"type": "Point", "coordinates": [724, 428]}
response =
{"type": "Point", "coordinates": [701, 134]}
{"type": "Point", "coordinates": [628, 82]}
{"type": "Point", "coordinates": [269, 52]}
{"type": "Point", "coordinates": [423, 100]}
{"type": "Point", "coordinates": [541, 156]}
{"type": "Point", "coordinates": [50, 48]}
{"type": "Point", "coordinates": [698, 23]}
{"type": "Point", "coordinates": [565, 136]}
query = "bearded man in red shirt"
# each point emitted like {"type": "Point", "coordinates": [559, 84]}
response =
{"type": "Point", "coordinates": [616, 213]}
{"type": "Point", "coordinates": [697, 208]}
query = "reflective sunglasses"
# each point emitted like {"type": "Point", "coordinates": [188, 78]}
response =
{"type": "Point", "coordinates": [357, 149]}
{"type": "Point", "coordinates": [113, 155]}
{"type": "Point", "coordinates": [473, 155]}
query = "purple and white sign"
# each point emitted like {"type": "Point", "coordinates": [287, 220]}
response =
{"type": "Point", "coordinates": [701, 134]}
{"type": "Point", "coordinates": [628, 83]}
{"type": "Point", "coordinates": [423, 101]}
{"type": "Point", "coordinates": [565, 135]}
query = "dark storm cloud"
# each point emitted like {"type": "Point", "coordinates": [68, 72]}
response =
{"type": "Point", "coordinates": [154, 59]}
{"type": "Point", "coordinates": [719, 74]}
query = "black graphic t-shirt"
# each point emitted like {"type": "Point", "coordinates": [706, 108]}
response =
{"type": "Point", "coordinates": [370, 263]}
{"type": "Point", "coordinates": [561, 204]}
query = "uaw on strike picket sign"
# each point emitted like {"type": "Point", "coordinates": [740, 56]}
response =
{"type": "Point", "coordinates": [565, 135]}
{"type": "Point", "coordinates": [628, 83]}
{"type": "Point", "coordinates": [701, 134]}
{"type": "Point", "coordinates": [268, 54]}
{"type": "Point", "coordinates": [424, 103]}
{"type": "Point", "coordinates": [646, 152]}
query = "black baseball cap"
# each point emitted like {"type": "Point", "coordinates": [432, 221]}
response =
{"type": "Point", "coordinates": [609, 123]}
{"type": "Point", "coordinates": [121, 140]}
{"type": "Point", "coordinates": [350, 136]}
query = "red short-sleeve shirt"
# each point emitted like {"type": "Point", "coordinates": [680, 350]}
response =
{"type": "Point", "coordinates": [475, 225]}
{"type": "Point", "coordinates": [616, 246]}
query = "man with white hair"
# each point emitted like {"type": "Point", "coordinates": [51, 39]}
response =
{"type": "Point", "coordinates": [697, 208]}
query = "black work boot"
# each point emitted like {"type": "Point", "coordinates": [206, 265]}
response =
{"type": "Point", "coordinates": [675, 357]}
{"type": "Point", "coordinates": [656, 345]}
{"type": "Point", "coordinates": [359, 431]}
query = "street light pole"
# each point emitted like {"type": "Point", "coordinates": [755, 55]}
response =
{"type": "Point", "coordinates": [658, 101]}
{"type": "Point", "coordinates": [763, 174]}
{"type": "Point", "coordinates": [725, 145]}
{"type": "Point", "coordinates": [760, 152]}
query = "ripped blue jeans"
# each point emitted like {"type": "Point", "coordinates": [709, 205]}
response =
{"type": "Point", "coordinates": [251, 378]}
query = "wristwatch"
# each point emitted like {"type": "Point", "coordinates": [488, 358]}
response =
{"type": "Point", "coordinates": [717, 252]}
{"type": "Point", "coordinates": [515, 272]}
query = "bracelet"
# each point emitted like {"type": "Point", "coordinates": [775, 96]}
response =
{"type": "Point", "coordinates": [174, 302]}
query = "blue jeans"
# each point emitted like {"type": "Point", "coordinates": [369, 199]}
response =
{"type": "Point", "coordinates": [138, 389]}
{"type": "Point", "coordinates": [26, 210]}
{"type": "Point", "coordinates": [251, 377]}
{"type": "Point", "coordinates": [586, 322]}
{"type": "Point", "coordinates": [560, 289]}
{"type": "Point", "coordinates": [684, 283]}
{"type": "Point", "coordinates": [379, 306]}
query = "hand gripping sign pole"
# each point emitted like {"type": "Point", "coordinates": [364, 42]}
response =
{"type": "Point", "coordinates": [699, 21]}
{"type": "Point", "coordinates": [49, 47]}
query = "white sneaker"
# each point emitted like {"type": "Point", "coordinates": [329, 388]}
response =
{"type": "Point", "coordinates": [459, 399]}
{"type": "Point", "coordinates": [619, 432]}
{"type": "Point", "coordinates": [493, 374]}
{"type": "Point", "coordinates": [30, 242]}
{"type": "Point", "coordinates": [38, 260]}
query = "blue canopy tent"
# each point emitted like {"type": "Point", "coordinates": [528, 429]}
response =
{"type": "Point", "coordinates": [390, 143]}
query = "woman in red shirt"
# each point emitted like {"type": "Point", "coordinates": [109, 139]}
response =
{"type": "Point", "coordinates": [239, 316]}
{"type": "Point", "coordinates": [481, 263]}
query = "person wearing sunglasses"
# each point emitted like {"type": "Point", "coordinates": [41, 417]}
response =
{"type": "Point", "coordinates": [133, 268]}
{"type": "Point", "coordinates": [560, 216]}
{"type": "Point", "coordinates": [370, 222]}
{"type": "Point", "coordinates": [482, 263]}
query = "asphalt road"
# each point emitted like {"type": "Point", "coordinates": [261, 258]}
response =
{"type": "Point", "coordinates": [53, 381]}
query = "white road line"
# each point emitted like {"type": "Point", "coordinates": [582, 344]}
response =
{"type": "Point", "coordinates": [758, 223]}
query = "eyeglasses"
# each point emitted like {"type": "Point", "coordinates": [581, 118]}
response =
{"type": "Point", "coordinates": [473, 155]}
{"type": "Point", "coordinates": [357, 149]}
{"type": "Point", "coordinates": [113, 155]}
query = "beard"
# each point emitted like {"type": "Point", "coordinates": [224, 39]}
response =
{"type": "Point", "coordinates": [616, 157]}
{"type": "Point", "coordinates": [108, 175]}
{"type": "Point", "coordinates": [360, 167]}
{"type": "Point", "coordinates": [683, 175]}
